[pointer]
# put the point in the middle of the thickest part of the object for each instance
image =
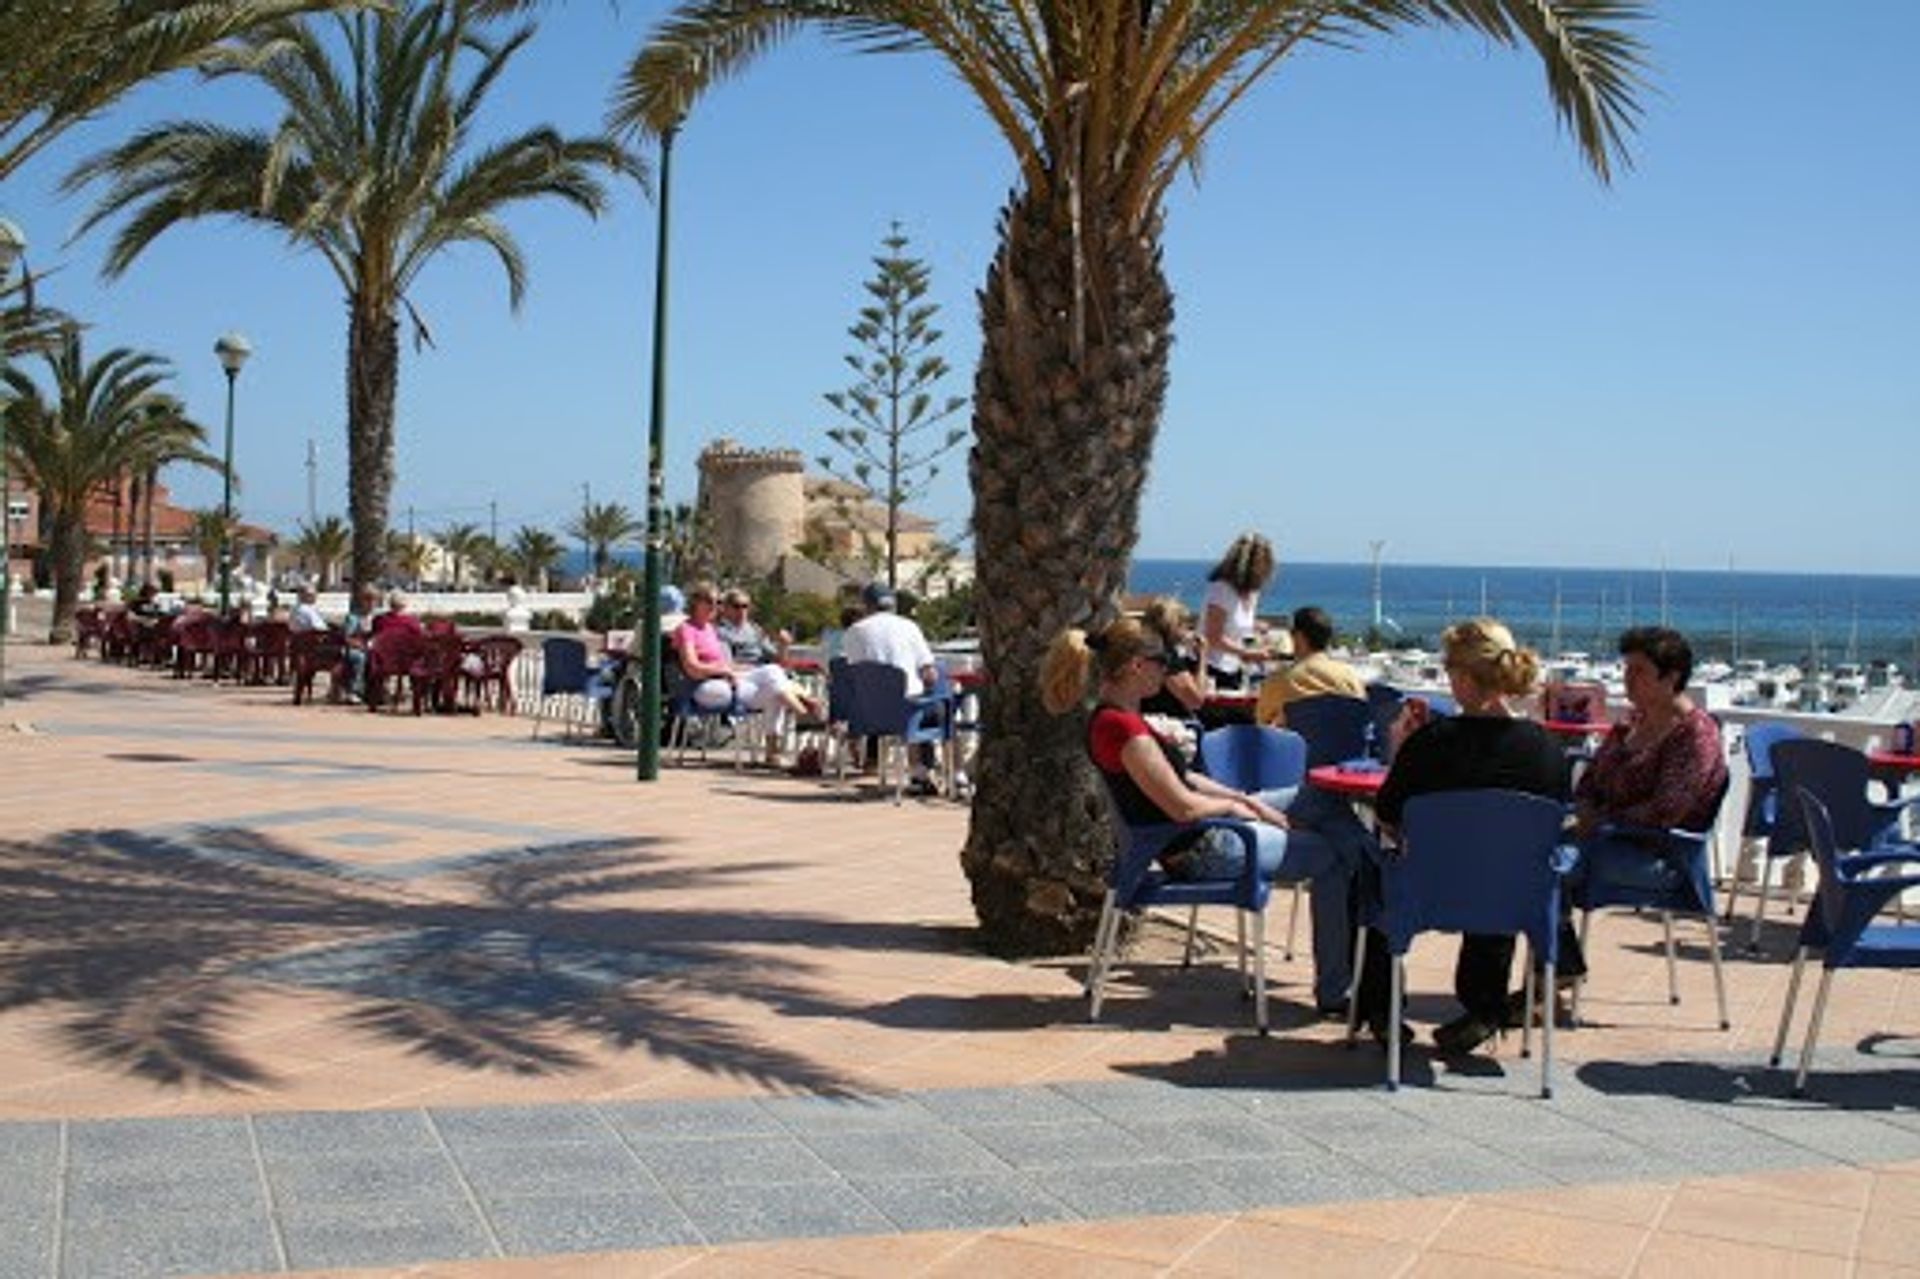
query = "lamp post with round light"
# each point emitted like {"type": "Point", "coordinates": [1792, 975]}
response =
{"type": "Point", "coordinates": [13, 243]}
{"type": "Point", "coordinates": [233, 350]}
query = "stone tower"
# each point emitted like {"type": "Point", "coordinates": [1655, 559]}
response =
{"type": "Point", "coordinates": [755, 503]}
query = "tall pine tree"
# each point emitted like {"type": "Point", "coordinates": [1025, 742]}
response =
{"type": "Point", "coordinates": [895, 403]}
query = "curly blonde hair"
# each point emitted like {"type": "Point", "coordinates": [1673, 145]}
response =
{"type": "Point", "coordinates": [1484, 649]}
{"type": "Point", "coordinates": [1247, 565]}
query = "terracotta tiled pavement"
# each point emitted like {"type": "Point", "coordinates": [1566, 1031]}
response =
{"type": "Point", "coordinates": [214, 904]}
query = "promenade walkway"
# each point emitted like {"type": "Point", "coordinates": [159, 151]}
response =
{"type": "Point", "coordinates": [316, 990]}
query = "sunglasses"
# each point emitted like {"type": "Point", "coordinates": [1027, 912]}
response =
{"type": "Point", "coordinates": [1158, 659]}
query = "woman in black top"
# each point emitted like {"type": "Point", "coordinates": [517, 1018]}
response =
{"type": "Point", "coordinates": [1186, 687]}
{"type": "Point", "coordinates": [1483, 747]}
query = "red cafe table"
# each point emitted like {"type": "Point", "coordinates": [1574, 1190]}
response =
{"type": "Point", "coordinates": [1892, 768]}
{"type": "Point", "coordinates": [1354, 783]}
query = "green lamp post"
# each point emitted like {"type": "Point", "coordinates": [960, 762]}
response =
{"type": "Point", "coordinates": [13, 243]}
{"type": "Point", "coordinates": [648, 760]}
{"type": "Point", "coordinates": [233, 350]}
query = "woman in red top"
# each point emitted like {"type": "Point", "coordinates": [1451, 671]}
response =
{"type": "Point", "coordinates": [1147, 778]}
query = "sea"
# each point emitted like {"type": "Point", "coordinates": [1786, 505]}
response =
{"type": "Point", "coordinates": [1807, 619]}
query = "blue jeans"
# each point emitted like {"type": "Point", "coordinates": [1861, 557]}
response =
{"type": "Point", "coordinates": [1326, 858]}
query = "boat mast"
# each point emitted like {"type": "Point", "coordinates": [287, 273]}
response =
{"type": "Point", "coordinates": [1556, 617]}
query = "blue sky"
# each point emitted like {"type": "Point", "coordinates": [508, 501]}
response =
{"type": "Point", "coordinates": [1405, 309]}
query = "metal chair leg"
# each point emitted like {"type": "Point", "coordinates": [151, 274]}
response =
{"type": "Point", "coordinates": [1673, 976]}
{"type": "Point", "coordinates": [1193, 933]}
{"type": "Point", "coordinates": [1396, 993]}
{"type": "Point", "coordinates": [1526, 1017]}
{"type": "Point", "coordinates": [1353, 992]}
{"type": "Point", "coordinates": [1260, 972]}
{"type": "Point", "coordinates": [1786, 1009]}
{"type": "Point", "coordinates": [1813, 1032]}
{"type": "Point", "coordinates": [1240, 936]}
{"type": "Point", "coordinates": [1765, 871]}
{"type": "Point", "coordinates": [1293, 920]}
{"type": "Point", "coordinates": [1103, 939]}
{"type": "Point", "coordinates": [1580, 982]}
{"type": "Point", "coordinates": [1719, 974]}
{"type": "Point", "coordinates": [1546, 1035]}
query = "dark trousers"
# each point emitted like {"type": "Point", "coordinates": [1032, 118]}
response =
{"type": "Point", "coordinates": [1480, 973]}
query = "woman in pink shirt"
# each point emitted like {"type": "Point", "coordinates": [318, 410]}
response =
{"type": "Point", "coordinates": [718, 682]}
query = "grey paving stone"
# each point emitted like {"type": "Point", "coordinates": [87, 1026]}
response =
{"type": "Point", "coordinates": [965, 1201]}
{"type": "Point", "coordinates": [1474, 1115]}
{"type": "Point", "coordinates": [147, 1242]}
{"type": "Point", "coordinates": [28, 1180]}
{"type": "Point", "coordinates": [378, 1176]}
{"type": "Point", "coordinates": [1238, 1135]}
{"type": "Point", "coordinates": [734, 1161]}
{"type": "Point", "coordinates": [28, 1148]}
{"type": "Point", "coordinates": [1446, 1166]}
{"type": "Point", "coordinates": [846, 1114]}
{"type": "Point", "coordinates": [902, 1152]}
{"type": "Point", "coordinates": [1590, 1157]}
{"type": "Point", "coordinates": [1363, 1123]}
{"type": "Point", "coordinates": [580, 1168]}
{"type": "Point", "coordinates": [478, 1126]}
{"type": "Point", "coordinates": [96, 1141]}
{"type": "Point", "coordinates": [1072, 1145]}
{"type": "Point", "coordinates": [1137, 1190]}
{"type": "Point", "coordinates": [1307, 1177]}
{"type": "Point", "coordinates": [27, 1242]}
{"type": "Point", "coordinates": [1132, 1102]}
{"type": "Point", "coordinates": [108, 1191]}
{"type": "Point", "coordinates": [534, 1226]}
{"type": "Point", "coordinates": [650, 1121]}
{"type": "Point", "coordinates": [387, 1233]}
{"type": "Point", "coordinates": [1841, 1135]}
{"type": "Point", "coordinates": [967, 1107]}
{"type": "Point", "coordinates": [304, 1134]}
{"type": "Point", "coordinates": [729, 1214]}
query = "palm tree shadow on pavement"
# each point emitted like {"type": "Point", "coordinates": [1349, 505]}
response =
{"type": "Point", "coordinates": [149, 948]}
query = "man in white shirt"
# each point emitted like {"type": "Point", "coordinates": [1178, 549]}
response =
{"type": "Point", "coordinates": [885, 636]}
{"type": "Point", "coordinates": [306, 614]}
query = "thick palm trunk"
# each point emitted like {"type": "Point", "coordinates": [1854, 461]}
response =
{"type": "Point", "coordinates": [373, 374]}
{"type": "Point", "coordinates": [66, 547]}
{"type": "Point", "coordinates": [1067, 401]}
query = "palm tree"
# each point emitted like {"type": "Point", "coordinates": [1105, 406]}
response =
{"type": "Point", "coordinates": [460, 541]}
{"type": "Point", "coordinates": [64, 63]}
{"type": "Point", "coordinates": [374, 167]}
{"type": "Point", "coordinates": [535, 552]}
{"type": "Point", "coordinates": [1103, 103]}
{"type": "Point", "coordinates": [323, 544]}
{"type": "Point", "coordinates": [211, 532]}
{"type": "Point", "coordinates": [688, 536]}
{"type": "Point", "coordinates": [163, 414]}
{"type": "Point", "coordinates": [95, 428]}
{"type": "Point", "coordinates": [406, 557]}
{"type": "Point", "coordinates": [603, 526]}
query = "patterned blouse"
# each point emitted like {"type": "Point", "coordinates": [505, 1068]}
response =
{"type": "Point", "coordinates": [1674, 783]}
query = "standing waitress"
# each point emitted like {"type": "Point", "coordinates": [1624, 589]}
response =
{"type": "Point", "coordinates": [1233, 600]}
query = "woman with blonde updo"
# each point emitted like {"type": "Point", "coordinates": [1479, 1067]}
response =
{"type": "Point", "coordinates": [1485, 746]}
{"type": "Point", "coordinates": [1185, 690]}
{"type": "Point", "coordinates": [1125, 663]}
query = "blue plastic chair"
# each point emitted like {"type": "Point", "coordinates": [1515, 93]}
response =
{"type": "Point", "coordinates": [1335, 727]}
{"type": "Point", "coordinates": [684, 712]}
{"type": "Point", "coordinates": [1253, 758]}
{"type": "Point", "coordinates": [1474, 861]}
{"type": "Point", "coordinates": [1136, 881]}
{"type": "Point", "coordinates": [1837, 775]}
{"type": "Point", "coordinates": [1610, 875]}
{"type": "Point", "coordinates": [873, 696]}
{"type": "Point", "coordinates": [564, 672]}
{"type": "Point", "coordinates": [1840, 924]}
{"type": "Point", "coordinates": [1761, 830]}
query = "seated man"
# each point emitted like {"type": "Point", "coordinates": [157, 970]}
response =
{"type": "Point", "coordinates": [885, 636]}
{"type": "Point", "coordinates": [306, 613]}
{"type": "Point", "coordinates": [1314, 673]}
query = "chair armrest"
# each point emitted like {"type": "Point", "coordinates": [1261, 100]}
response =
{"type": "Point", "coordinates": [1659, 834]}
